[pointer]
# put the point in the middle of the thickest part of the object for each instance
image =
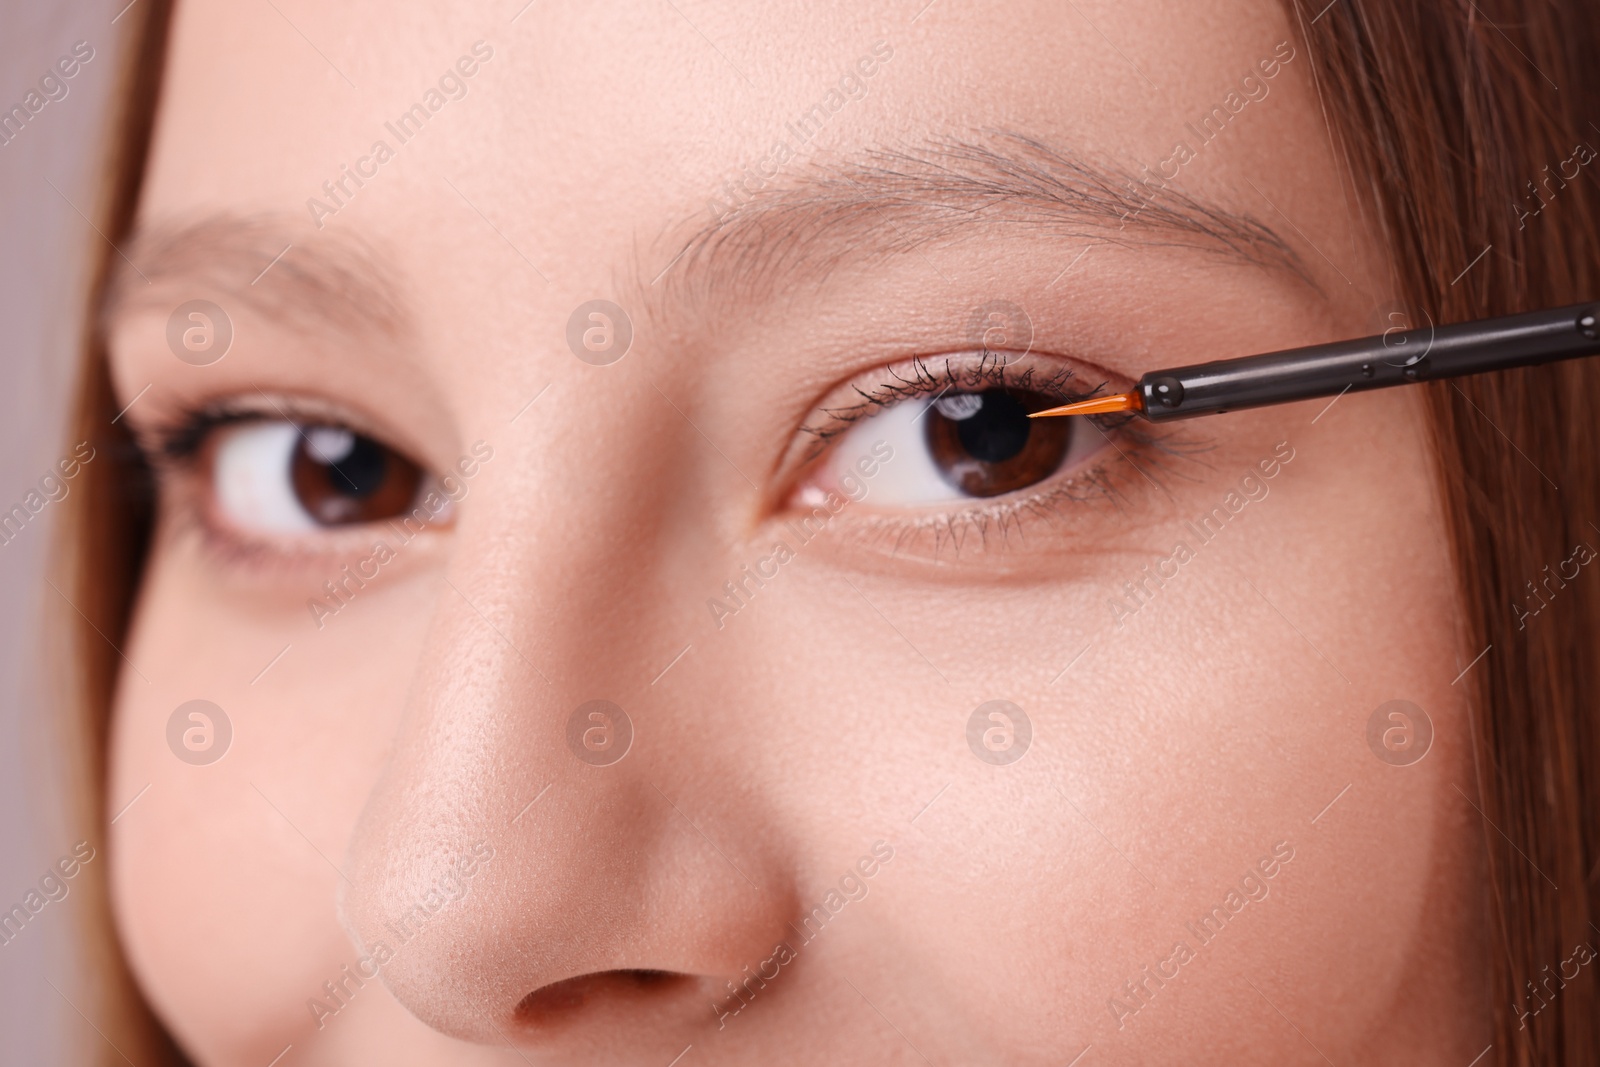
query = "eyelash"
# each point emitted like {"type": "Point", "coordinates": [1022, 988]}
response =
{"type": "Point", "coordinates": [1149, 452]}
{"type": "Point", "coordinates": [933, 377]}
{"type": "Point", "coordinates": [995, 524]}
{"type": "Point", "coordinates": [178, 444]}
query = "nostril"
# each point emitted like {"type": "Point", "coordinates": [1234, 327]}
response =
{"type": "Point", "coordinates": [550, 1005]}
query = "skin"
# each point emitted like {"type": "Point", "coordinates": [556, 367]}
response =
{"type": "Point", "coordinates": [1172, 748]}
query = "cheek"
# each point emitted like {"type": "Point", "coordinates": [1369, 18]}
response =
{"type": "Point", "coordinates": [224, 879]}
{"type": "Point", "coordinates": [1258, 670]}
{"type": "Point", "coordinates": [1219, 720]}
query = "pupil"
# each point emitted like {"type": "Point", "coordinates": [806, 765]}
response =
{"type": "Point", "coordinates": [984, 444]}
{"type": "Point", "coordinates": [360, 472]}
{"type": "Point", "coordinates": [997, 430]}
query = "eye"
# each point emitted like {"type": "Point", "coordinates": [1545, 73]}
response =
{"type": "Point", "coordinates": [279, 476]}
{"type": "Point", "coordinates": [962, 445]}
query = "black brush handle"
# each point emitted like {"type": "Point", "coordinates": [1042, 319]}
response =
{"type": "Point", "coordinates": [1393, 358]}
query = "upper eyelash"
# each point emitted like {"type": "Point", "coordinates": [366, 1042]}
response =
{"type": "Point", "coordinates": [934, 377]}
{"type": "Point", "coordinates": [180, 441]}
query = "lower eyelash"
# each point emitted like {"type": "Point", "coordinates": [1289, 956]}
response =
{"type": "Point", "coordinates": [184, 519]}
{"type": "Point", "coordinates": [1152, 456]}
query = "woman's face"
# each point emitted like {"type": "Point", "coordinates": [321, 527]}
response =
{"type": "Point", "coordinates": [674, 357]}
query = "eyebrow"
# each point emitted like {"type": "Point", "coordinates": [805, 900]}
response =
{"type": "Point", "coordinates": [889, 201]}
{"type": "Point", "coordinates": [339, 282]}
{"type": "Point", "coordinates": [879, 203]}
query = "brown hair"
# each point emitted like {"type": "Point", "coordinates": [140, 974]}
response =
{"type": "Point", "coordinates": [1453, 119]}
{"type": "Point", "coordinates": [100, 556]}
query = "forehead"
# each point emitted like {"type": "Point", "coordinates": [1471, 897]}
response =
{"type": "Point", "coordinates": [593, 138]}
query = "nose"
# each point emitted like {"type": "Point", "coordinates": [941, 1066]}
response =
{"type": "Point", "coordinates": [526, 872]}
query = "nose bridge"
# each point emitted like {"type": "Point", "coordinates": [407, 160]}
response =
{"type": "Point", "coordinates": [520, 834]}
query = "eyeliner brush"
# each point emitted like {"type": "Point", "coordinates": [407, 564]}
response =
{"type": "Point", "coordinates": [1394, 358]}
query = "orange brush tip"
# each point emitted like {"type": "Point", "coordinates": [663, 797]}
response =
{"type": "Point", "coordinates": [1099, 405]}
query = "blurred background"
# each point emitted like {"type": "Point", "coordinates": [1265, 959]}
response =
{"type": "Point", "coordinates": [49, 183]}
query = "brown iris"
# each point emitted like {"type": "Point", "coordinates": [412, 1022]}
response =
{"type": "Point", "coordinates": [984, 444]}
{"type": "Point", "coordinates": [341, 477]}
